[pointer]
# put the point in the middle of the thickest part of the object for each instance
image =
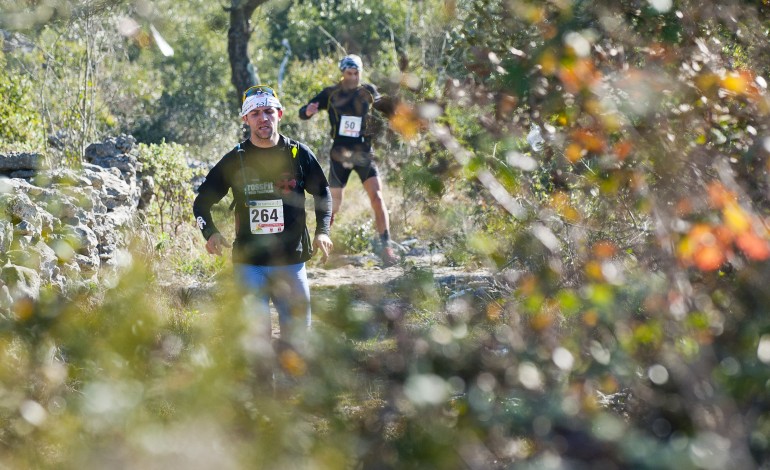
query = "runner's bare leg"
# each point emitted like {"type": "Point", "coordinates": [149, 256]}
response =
{"type": "Point", "coordinates": [373, 188]}
{"type": "Point", "coordinates": [337, 194]}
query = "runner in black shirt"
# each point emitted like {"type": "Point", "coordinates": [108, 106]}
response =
{"type": "Point", "coordinates": [349, 106]}
{"type": "Point", "coordinates": [269, 175]}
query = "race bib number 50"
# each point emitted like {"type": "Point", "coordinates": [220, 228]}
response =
{"type": "Point", "coordinates": [350, 126]}
{"type": "Point", "coordinates": [266, 216]}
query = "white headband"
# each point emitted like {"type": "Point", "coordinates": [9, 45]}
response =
{"type": "Point", "coordinates": [262, 100]}
{"type": "Point", "coordinates": [351, 61]}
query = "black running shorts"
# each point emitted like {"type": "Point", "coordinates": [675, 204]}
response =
{"type": "Point", "coordinates": [344, 161]}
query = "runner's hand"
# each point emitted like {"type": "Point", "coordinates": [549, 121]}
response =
{"type": "Point", "coordinates": [311, 109]}
{"type": "Point", "coordinates": [215, 243]}
{"type": "Point", "coordinates": [324, 243]}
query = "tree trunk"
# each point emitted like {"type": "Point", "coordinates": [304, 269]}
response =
{"type": "Point", "coordinates": [243, 73]}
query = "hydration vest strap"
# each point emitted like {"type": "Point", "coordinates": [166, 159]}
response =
{"type": "Point", "coordinates": [293, 147]}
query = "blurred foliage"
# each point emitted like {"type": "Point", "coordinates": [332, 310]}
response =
{"type": "Point", "coordinates": [627, 325]}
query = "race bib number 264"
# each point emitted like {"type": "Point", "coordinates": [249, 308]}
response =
{"type": "Point", "coordinates": [266, 216]}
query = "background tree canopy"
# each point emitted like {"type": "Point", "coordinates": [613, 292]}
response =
{"type": "Point", "coordinates": [608, 158]}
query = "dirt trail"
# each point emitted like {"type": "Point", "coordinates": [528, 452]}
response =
{"type": "Point", "coordinates": [366, 270]}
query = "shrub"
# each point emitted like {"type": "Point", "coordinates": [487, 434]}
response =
{"type": "Point", "coordinates": [19, 120]}
{"type": "Point", "coordinates": [167, 164]}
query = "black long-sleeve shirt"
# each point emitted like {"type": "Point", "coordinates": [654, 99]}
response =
{"type": "Point", "coordinates": [269, 188]}
{"type": "Point", "coordinates": [358, 102]}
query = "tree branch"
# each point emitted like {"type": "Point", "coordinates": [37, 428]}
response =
{"type": "Point", "coordinates": [336, 43]}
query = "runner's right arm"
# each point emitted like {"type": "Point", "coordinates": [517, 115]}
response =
{"type": "Point", "coordinates": [211, 191]}
{"type": "Point", "coordinates": [321, 98]}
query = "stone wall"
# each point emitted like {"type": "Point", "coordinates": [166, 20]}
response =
{"type": "Point", "coordinates": [62, 227]}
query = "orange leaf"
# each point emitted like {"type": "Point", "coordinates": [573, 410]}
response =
{"type": "Point", "coordinates": [494, 311]}
{"type": "Point", "coordinates": [404, 121]}
{"type": "Point", "coordinates": [573, 152]}
{"type": "Point", "coordinates": [701, 233]}
{"type": "Point", "coordinates": [528, 285]}
{"type": "Point", "coordinates": [705, 246]}
{"type": "Point", "coordinates": [594, 270]}
{"type": "Point", "coordinates": [541, 321]}
{"type": "Point", "coordinates": [604, 249]}
{"type": "Point", "coordinates": [589, 140]}
{"type": "Point", "coordinates": [735, 82]}
{"type": "Point", "coordinates": [723, 235]}
{"type": "Point", "coordinates": [709, 257]}
{"type": "Point", "coordinates": [561, 204]}
{"type": "Point", "coordinates": [719, 195]}
{"type": "Point", "coordinates": [684, 207]}
{"type": "Point", "coordinates": [741, 82]}
{"type": "Point", "coordinates": [292, 363]}
{"type": "Point", "coordinates": [591, 318]}
{"type": "Point", "coordinates": [578, 75]}
{"type": "Point", "coordinates": [753, 246]}
{"type": "Point", "coordinates": [622, 149]}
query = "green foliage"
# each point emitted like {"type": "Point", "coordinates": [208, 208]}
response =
{"type": "Point", "coordinates": [19, 120]}
{"type": "Point", "coordinates": [192, 98]}
{"type": "Point", "coordinates": [353, 238]}
{"type": "Point", "coordinates": [357, 26]}
{"type": "Point", "coordinates": [172, 176]}
{"type": "Point", "coordinates": [90, 81]}
{"type": "Point", "coordinates": [303, 81]}
{"type": "Point", "coordinates": [202, 267]}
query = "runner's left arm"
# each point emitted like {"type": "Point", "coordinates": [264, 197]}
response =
{"type": "Point", "coordinates": [384, 104]}
{"type": "Point", "coordinates": [317, 185]}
